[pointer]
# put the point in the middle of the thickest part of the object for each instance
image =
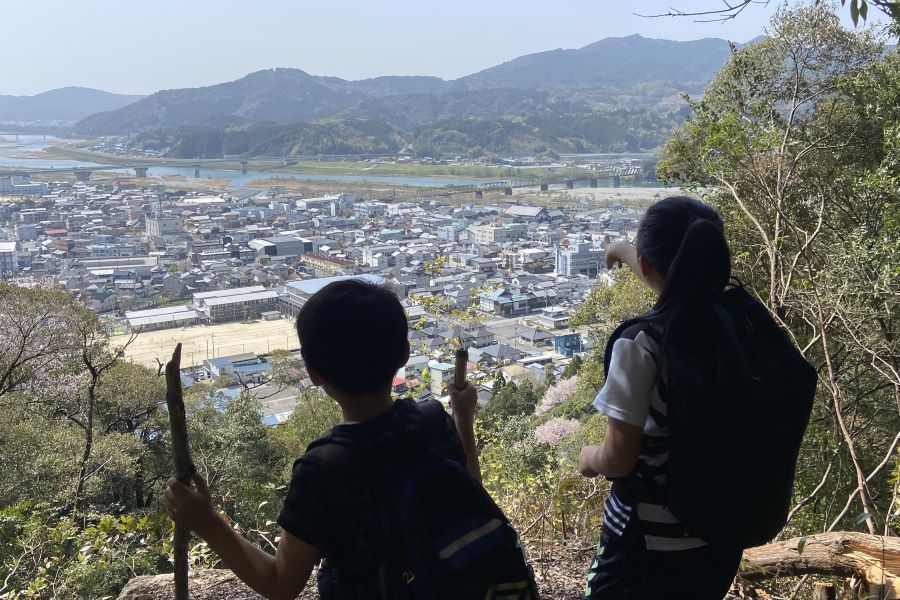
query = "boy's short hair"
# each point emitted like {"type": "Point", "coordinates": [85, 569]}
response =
{"type": "Point", "coordinates": [354, 334]}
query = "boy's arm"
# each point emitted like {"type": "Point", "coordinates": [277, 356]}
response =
{"type": "Point", "coordinates": [275, 577]}
{"type": "Point", "coordinates": [463, 402]}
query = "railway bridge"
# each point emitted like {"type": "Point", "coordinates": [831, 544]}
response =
{"type": "Point", "coordinates": [569, 177]}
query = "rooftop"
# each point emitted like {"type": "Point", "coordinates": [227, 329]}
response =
{"type": "Point", "coordinates": [228, 292]}
{"type": "Point", "coordinates": [235, 298]}
{"type": "Point", "coordinates": [311, 286]}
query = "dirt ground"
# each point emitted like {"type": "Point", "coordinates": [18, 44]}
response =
{"type": "Point", "coordinates": [558, 578]}
{"type": "Point", "coordinates": [208, 341]}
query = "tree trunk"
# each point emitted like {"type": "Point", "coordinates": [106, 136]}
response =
{"type": "Point", "coordinates": [88, 445]}
{"type": "Point", "coordinates": [873, 558]}
{"type": "Point", "coordinates": [82, 472]}
{"type": "Point", "coordinates": [139, 484]}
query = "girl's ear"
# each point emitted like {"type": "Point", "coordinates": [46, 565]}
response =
{"type": "Point", "coordinates": [647, 271]}
{"type": "Point", "coordinates": [650, 276]}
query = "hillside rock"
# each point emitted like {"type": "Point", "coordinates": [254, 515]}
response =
{"type": "Point", "coordinates": [205, 584]}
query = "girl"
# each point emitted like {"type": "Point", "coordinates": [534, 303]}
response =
{"type": "Point", "coordinates": [644, 551]}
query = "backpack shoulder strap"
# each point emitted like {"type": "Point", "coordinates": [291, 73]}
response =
{"type": "Point", "coordinates": [433, 413]}
{"type": "Point", "coordinates": [627, 330]}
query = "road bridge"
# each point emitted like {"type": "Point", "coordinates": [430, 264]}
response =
{"type": "Point", "coordinates": [569, 177]}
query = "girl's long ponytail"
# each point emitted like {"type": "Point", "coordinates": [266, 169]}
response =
{"type": "Point", "coordinates": [684, 240]}
{"type": "Point", "coordinates": [700, 270]}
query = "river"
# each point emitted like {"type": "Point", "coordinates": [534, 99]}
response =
{"type": "Point", "coordinates": [15, 154]}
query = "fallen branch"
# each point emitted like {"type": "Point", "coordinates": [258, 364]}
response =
{"type": "Point", "coordinates": [874, 558]}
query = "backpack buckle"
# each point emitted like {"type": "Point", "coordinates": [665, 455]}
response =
{"type": "Point", "coordinates": [408, 577]}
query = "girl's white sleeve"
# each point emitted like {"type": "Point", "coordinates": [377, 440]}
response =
{"type": "Point", "coordinates": [629, 387]}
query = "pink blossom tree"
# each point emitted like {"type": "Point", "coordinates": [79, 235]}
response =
{"type": "Point", "coordinates": [556, 430]}
{"type": "Point", "coordinates": [556, 394]}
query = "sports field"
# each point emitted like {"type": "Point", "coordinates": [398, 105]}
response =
{"type": "Point", "coordinates": [209, 341]}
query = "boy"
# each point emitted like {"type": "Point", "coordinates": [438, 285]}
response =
{"type": "Point", "coordinates": [353, 338]}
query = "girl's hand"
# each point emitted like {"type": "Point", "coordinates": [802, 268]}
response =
{"type": "Point", "coordinates": [619, 254]}
{"type": "Point", "coordinates": [190, 508]}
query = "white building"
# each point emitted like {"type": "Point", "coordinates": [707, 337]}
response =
{"type": "Point", "coordinates": [9, 260]}
{"type": "Point", "coordinates": [158, 226]}
{"type": "Point", "coordinates": [492, 234]}
{"type": "Point", "coordinates": [235, 304]}
{"type": "Point", "coordinates": [161, 318]}
{"type": "Point", "coordinates": [579, 259]}
{"type": "Point", "coordinates": [21, 185]}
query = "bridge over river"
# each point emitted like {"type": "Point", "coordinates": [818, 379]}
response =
{"type": "Point", "coordinates": [553, 176]}
{"type": "Point", "coordinates": [567, 176]}
{"type": "Point", "coordinates": [140, 168]}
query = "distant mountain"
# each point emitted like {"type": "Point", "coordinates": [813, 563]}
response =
{"type": "Point", "coordinates": [618, 63]}
{"type": "Point", "coordinates": [616, 95]}
{"type": "Point", "coordinates": [390, 85]}
{"type": "Point", "coordinates": [63, 104]}
{"type": "Point", "coordinates": [410, 111]}
{"type": "Point", "coordinates": [273, 95]}
{"type": "Point", "coordinates": [632, 72]}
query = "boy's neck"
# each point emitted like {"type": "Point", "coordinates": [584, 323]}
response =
{"type": "Point", "coordinates": [365, 407]}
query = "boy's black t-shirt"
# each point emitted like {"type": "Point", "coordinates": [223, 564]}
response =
{"type": "Point", "coordinates": [330, 503]}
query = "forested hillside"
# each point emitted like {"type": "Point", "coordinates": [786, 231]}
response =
{"type": "Point", "coordinates": [617, 131]}
{"type": "Point", "coordinates": [325, 137]}
{"type": "Point", "coordinates": [618, 94]}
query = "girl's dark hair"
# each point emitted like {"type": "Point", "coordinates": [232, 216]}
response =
{"type": "Point", "coordinates": [684, 240]}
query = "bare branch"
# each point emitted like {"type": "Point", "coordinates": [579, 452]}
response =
{"type": "Point", "coordinates": [859, 488]}
{"type": "Point", "coordinates": [730, 11]}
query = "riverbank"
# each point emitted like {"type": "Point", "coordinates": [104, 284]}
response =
{"type": "Point", "coordinates": [318, 167]}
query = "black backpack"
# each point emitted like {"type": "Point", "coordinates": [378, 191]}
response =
{"type": "Point", "coordinates": [734, 436]}
{"type": "Point", "coordinates": [441, 534]}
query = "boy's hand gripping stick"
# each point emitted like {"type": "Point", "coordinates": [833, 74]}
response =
{"type": "Point", "coordinates": [459, 376]}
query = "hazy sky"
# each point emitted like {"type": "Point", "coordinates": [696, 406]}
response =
{"type": "Point", "coordinates": [140, 46]}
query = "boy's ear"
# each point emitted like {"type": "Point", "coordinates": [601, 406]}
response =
{"type": "Point", "coordinates": [314, 377]}
{"type": "Point", "coordinates": [405, 357]}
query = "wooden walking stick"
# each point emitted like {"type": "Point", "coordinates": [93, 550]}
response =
{"type": "Point", "coordinates": [183, 466]}
{"type": "Point", "coordinates": [459, 373]}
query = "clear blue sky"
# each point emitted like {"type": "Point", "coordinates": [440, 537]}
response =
{"type": "Point", "coordinates": [140, 46]}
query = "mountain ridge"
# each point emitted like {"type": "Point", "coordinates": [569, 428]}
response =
{"type": "Point", "coordinates": [608, 74]}
{"type": "Point", "coordinates": [69, 104]}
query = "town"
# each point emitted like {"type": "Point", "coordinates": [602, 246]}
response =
{"type": "Point", "coordinates": [225, 273]}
